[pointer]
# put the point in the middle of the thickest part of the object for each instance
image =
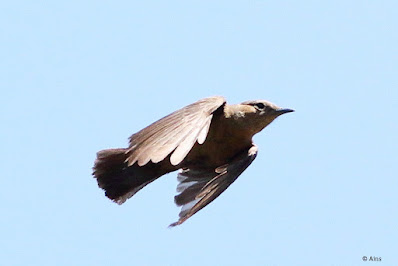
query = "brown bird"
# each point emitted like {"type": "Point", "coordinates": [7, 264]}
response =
{"type": "Point", "coordinates": [210, 141]}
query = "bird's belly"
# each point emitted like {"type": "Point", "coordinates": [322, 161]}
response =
{"type": "Point", "coordinates": [212, 154]}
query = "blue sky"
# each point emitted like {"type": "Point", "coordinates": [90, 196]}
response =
{"type": "Point", "coordinates": [81, 76]}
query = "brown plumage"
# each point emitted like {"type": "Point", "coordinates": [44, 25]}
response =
{"type": "Point", "coordinates": [210, 141]}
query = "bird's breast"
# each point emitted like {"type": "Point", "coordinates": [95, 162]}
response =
{"type": "Point", "coordinates": [224, 141]}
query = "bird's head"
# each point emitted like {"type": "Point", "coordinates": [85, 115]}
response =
{"type": "Point", "coordinates": [256, 115]}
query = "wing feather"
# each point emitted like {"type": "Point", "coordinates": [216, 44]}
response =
{"type": "Point", "coordinates": [203, 133]}
{"type": "Point", "coordinates": [176, 132]}
{"type": "Point", "coordinates": [187, 143]}
{"type": "Point", "coordinates": [200, 187]}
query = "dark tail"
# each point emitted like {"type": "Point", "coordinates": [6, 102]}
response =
{"type": "Point", "coordinates": [120, 181]}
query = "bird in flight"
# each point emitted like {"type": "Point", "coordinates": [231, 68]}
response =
{"type": "Point", "coordinates": [209, 141]}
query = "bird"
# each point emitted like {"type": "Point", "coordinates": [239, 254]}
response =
{"type": "Point", "coordinates": [209, 142]}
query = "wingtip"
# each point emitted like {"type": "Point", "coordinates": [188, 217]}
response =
{"type": "Point", "coordinates": [175, 224]}
{"type": "Point", "coordinates": [180, 221]}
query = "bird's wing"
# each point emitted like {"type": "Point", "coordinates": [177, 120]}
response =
{"type": "Point", "coordinates": [175, 133]}
{"type": "Point", "coordinates": [200, 187]}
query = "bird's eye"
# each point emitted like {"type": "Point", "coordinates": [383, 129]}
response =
{"type": "Point", "coordinates": [260, 106]}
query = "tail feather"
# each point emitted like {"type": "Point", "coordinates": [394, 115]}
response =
{"type": "Point", "coordinates": [121, 181]}
{"type": "Point", "coordinates": [110, 171]}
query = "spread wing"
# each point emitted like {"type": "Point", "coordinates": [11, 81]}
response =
{"type": "Point", "coordinates": [200, 187]}
{"type": "Point", "coordinates": [175, 133]}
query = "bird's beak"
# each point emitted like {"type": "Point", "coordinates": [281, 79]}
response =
{"type": "Point", "coordinates": [282, 111]}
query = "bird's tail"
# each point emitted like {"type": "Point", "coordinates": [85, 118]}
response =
{"type": "Point", "coordinates": [110, 171]}
{"type": "Point", "coordinates": [121, 181]}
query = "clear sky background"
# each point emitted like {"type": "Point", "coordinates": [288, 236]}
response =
{"type": "Point", "coordinates": [80, 76]}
